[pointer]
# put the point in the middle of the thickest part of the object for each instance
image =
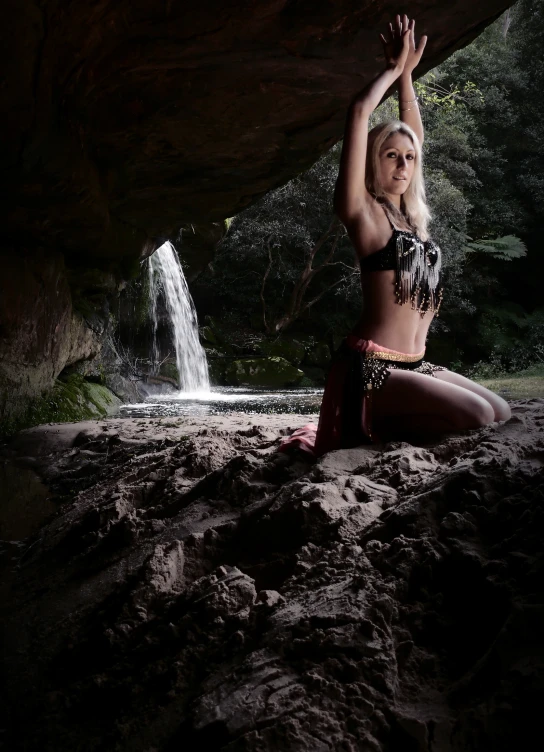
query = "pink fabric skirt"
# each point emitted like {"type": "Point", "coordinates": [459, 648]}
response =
{"type": "Point", "coordinates": [331, 433]}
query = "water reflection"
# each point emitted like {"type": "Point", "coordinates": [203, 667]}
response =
{"type": "Point", "coordinates": [226, 400]}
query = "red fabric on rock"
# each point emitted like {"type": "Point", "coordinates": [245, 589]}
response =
{"type": "Point", "coordinates": [328, 434]}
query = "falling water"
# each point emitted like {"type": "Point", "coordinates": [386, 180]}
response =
{"type": "Point", "coordinates": [164, 266]}
{"type": "Point", "coordinates": [153, 294]}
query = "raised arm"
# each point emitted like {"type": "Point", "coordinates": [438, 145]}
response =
{"type": "Point", "coordinates": [350, 193]}
{"type": "Point", "coordinates": [408, 104]}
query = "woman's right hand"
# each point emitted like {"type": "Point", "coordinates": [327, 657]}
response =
{"type": "Point", "coordinates": [352, 201]}
{"type": "Point", "coordinates": [396, 45]}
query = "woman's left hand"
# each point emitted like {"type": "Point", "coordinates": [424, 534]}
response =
{"type": "Point", "coordinates": [414, 53]}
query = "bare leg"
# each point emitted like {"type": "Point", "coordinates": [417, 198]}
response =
{"type": "Point", "coordinates": [413, 404]}
{"type": "Point", "coordinates": [500, 406]}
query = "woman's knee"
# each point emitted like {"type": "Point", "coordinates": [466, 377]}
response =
{"type": "Point", "coordinates": [501, 409]}
{"type": "Point", "coordinates": [474, 412]}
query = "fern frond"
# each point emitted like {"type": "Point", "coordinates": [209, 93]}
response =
{"type": "Point", "coordinates": [505, 249]}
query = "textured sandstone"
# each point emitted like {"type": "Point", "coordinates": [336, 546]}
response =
{"type": "Point", "coordinates": [40, 333]}
{"type": "Point", "coordinates": [121, 121]}
{"type": "Point", "coordinates": [196, 590]}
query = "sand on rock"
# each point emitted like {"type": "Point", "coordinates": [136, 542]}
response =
{"type": "Point", "coordinates": [196, 589]}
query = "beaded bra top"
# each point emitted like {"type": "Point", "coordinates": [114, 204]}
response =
{"type": "Point", "coordinates": [417, 265]}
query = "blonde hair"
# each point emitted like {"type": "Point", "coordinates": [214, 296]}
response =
{"type": "Point", "coordinates": [414, 209]}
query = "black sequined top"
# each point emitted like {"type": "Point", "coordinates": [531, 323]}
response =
{"type": "Point", "coordinates": [417, 264]}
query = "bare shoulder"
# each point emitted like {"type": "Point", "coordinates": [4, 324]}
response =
{"type": "Point", "coordinates": [369, 229]}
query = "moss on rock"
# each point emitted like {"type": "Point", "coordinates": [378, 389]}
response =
{"type": "Point", "coordinates": [208, 335]}
{"type": "Point", "coordinates": [170, 371]}
{"type": "Point", "coordinates": [214, 337]}
{"type": "Point", "coordinates": [272, 372]}
{"type": "Point", "coordinates": [216, 369]}
{"type": "Point", "coordinates": [71, 399]}
{"type": "Point", "coordinates": [289, 349]}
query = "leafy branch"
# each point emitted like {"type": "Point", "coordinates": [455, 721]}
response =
{"type": "Point", "coordinates": [430, 92]}
{"type": "Point", "coordinates": [297, 304]}
{"type": "Point", "coordinates": [505, 249]}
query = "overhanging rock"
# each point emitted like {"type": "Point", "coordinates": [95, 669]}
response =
{"type": "Point", "coordinates": [121, 120]}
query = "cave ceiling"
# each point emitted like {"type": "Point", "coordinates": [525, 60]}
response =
{"type": "Point", "coordinates": [124, 119]}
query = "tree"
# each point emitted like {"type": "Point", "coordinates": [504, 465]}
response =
{"type": "Point", "coordinates": [287, 253]}
{"type": "Point", "coordinates": [484, 166]}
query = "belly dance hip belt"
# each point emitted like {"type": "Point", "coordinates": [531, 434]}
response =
{"type": "Point", "coordinates": [365, 367]}
{"type": "Point", "coordinates": [359, 368]}
{"type": "Point", "coordinates": [377, 361]}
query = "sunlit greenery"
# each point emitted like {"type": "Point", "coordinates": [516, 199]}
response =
{"type": "Point", "coordinates": [484, 163]}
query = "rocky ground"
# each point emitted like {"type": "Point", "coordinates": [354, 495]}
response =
{"type": "Point", "coordinates": [194, 589]}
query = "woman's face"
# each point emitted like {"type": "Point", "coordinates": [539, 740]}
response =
{"type": "Point", "coordinates": [397, 161]}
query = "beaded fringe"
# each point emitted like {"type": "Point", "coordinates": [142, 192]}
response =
{"type": "Point", "coordinates": [418, 268]}
{"type": "Point", "coordinates": [375, 372]}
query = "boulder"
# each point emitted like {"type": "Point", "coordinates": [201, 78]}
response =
{"type": "Point", "coordinates": [77, 399]}
{"type": "Point", "coordinates": [216, 369]}
{"type": "Point", "coordinates": [213, 338]}
{"type": "Point", "coordinates": [209, 336]}
{"type": "Point", "coordinates": [289, 349]}
{"type": "Point", "coordinates": [170, 371]}
{"type": "Point", "coordinates": [127, 390]}
{"type": "Point", "coordinates": [272, 372]}
{"type": "Point", "coordinates": [70, 399]}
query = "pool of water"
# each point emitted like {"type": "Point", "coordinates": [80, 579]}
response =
{"type": "Point", "coordinates": [226, 400]}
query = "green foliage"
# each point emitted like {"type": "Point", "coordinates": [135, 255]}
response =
{"type": "Point", "coordinates": [278, 234]}
{"type": "Point", "coordinates": [432, 93]}
{"type": "Point", "coordinates": [273, 372]}
{"type": "Point", "coordinates": [493, 83]}
{"type": "Point", "coordinates": [505, 249]}
{"type": "Point", "coordinates": [510, 338]}
{"type": "Point", "coordinates": [484, 166]}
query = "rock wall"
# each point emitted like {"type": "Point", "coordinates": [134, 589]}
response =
{"type": "Point", "coordinates": [40, 332]}
{"type": "Point", "coordinates": [55, 322]}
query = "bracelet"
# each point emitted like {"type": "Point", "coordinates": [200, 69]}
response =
{"type": "Point", "coordinates": [405, 109]}
{"type": "Point", "coordinates": [409, 101]}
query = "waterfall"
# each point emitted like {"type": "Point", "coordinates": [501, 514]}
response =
{"type": "Point", "coordinates": [165, 272]}
{"type": "Point", "coordinates": [153, 294]}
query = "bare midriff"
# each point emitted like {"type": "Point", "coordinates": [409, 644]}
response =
{"type": "Point", "coordinates": [384, 321]}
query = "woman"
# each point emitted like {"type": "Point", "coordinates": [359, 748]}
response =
{"type": "Point", "coordinates": [379, 386]}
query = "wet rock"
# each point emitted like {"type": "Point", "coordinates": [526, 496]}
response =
{"type": "Point", "coordinates": [288, 349]}
{"type": "Point", "coordinates": [273, 372]}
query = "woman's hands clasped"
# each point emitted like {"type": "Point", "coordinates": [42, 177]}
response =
{"type": "Point", "coordinates": [356, 206]}
{"type": "Point", "coordinates": [399, 45]}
